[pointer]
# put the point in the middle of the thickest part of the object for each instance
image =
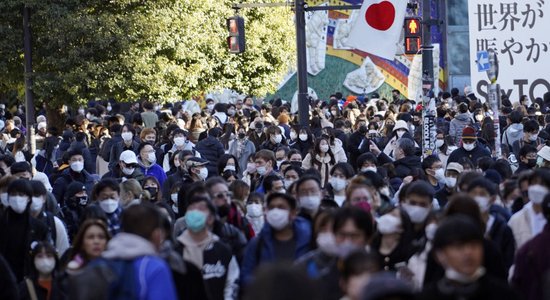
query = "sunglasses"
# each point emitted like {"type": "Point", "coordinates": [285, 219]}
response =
{"type": "Point", "coordinates": [223, 195]}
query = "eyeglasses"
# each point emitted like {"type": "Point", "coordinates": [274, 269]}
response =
{"type": "Point", "coordinates": [223, 195]}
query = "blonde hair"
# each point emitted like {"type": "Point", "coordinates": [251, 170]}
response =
{"type": "Point", "coordinates": [133, 187]}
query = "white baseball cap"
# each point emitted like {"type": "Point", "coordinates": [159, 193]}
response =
{"type": "Point", "coordinates": [128, 157]}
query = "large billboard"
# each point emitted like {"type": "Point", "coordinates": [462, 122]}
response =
{"type": "Point", "coordinates": [519, 31]}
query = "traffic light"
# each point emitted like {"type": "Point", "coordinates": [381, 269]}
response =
{"type": "Point", "coordinates": [413, 35]}
{"type": "Point", "coordinates": [236, 41]}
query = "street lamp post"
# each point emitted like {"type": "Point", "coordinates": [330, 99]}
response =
{"type": "Point", "coordinates": [29, 97]}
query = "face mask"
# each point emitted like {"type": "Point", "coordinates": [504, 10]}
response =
{"type": "Point", "coordinates": [310, 203]}
{"type": "Point", "coordinates": [82, 201]}
{"type": "Point", "coordinates": [156, 108]}
{"type": "Point", "coordinates": [36, 204]}
{"type": "Point", "coordinates": [77, 166]}
{"type": "Point", "coordinates": [229, 168]}
{"type": "Point", "coordinates": [250, 168]}
{"type": "Point", "coordinates": [288, 183]}
{"type": "Point", "coordinates": [469, 147]}
{"type": "Point", "coordinates": [89, 116]}
{"type": "Point", "coordinates": [456, 276]}
{"type": "Point", "coordinates": [439, 143]}
{"type": "Point", "coordinates": [18, 203]}
{"type": "Point", "coordinates": [254, 210]}
{"type": "Point", "coordinates": [127, 136]}
{"type": "Point", "coordinates": [174, 197]}
{"type": "Point", "coordinates": [109, 205]}
{"type": "Point", "coordinates": [210, 106]}
{"type": "Point", "coordinates": [261, 170]}
{"type": "Point", "coordinates": [416, 213]}
{"type": "Point", "coordinates": [327, 243]}
{"type": "Point", "coordinates": [337, 183]}
{"type": "Point", "coordinates": [293, 135]}
{"type": "Point", "coordinates": [532, 162]}
{"type": "Point", "coordinates": [242, 135]}
{"type": "Point", "coordinates": [400, 133]}
{"type": "Point", "coordinates": [151, 157]}
{"type": "Point", "coordinates": [231, 112]}
{"type": "Point", "coordinates": [483, 203]}
{"type": "Point", "coordinates": [109, 108]}
{"type": "Point", "coordinates": [4, 198]}
{"type": "Point", "coordinates": [346, 249]}
{"type": "Point", "coordinates": [536, 193]}
{"type": "Point", "coordinates": [279, 163]}
{"type": "Point", "coordinates": [388, 224]}
{"type": "Point", "coordinates": [195, 220]}
{"type": "Point", "coordinates": [450, 182]}
{"type": "Point", "coordinates": [277, 218]}
{"type": "Point", "coordinates": [203, 173]}
{"type": "Point", "coordinates": [152, 191]}
{"type": "Point", "coordinates": [533, 137]}
{"type": "Point", "coordinates": [440, 175]}
{"type": "Point", "coordinates": [179, 141]}
{"type": "Point", "coordinates": [81, 111]}
{"type": "Point", "coordinates": [128, 171]}
{"type": "Point", "coordinates": [324, 148]}
{"type": "Point", "coordinates": [276, 139]}
{"type": "Point", "coordinates": [303, 137]}
{"type": "Point", "coordinates": [44, 265]}
{"type": "Point", "coordinates": [430, 231]}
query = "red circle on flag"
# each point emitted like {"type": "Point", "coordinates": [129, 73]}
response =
{"type": "Point", "coordinates": [380, 16]}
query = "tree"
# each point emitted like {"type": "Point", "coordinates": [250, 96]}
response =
{"type": "Point", "coordinates": [130, 49]}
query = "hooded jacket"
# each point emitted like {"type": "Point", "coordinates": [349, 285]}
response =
{"type": "Point", "coordinates": [265, 240]}
{"type": "Point", "coordinates": [403, 166]}
{"type": "Point", "coordinates": [513, 133]}
{"type": "Point", "coordinates": [457, 125]}
{"type": "Point", "coordinates": [478, 152]}
{"type": "Point", "coordinates": [211, 149]}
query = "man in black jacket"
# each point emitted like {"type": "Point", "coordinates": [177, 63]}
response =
{"type": "Point", "coordinates": [471, 148]}
{"type": "Point", "coordinates": [405, 159]}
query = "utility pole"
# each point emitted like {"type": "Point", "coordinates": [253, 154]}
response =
{"type": "Point", "coordinates": [492, 73]}
{"type": "Point", "coordinates": [29, 97]}
{"type": "Point", "coordinates": [428, 100]}
{"type": "Point", "coordinates": [301, 63]}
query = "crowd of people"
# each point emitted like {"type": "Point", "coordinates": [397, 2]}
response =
{"type": "Point", "coordinates": [239, 201]}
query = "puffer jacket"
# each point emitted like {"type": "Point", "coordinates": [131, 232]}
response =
{"type": "Point", "coordinates": [211, 149]}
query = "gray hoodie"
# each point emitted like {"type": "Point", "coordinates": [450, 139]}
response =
{"type": "Point", "coordinates": [128, 246]}
{"type": "Point", "coordinates": [513, 133]}
{"type": "Point", "coordinates": [457, 125]}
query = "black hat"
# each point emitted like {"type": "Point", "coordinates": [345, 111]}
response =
{"type": "Point", "coordinates": [21, 166]}
{"type": "Point", "coordinates": [74, 188]}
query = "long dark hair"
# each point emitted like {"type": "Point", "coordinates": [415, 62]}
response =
{"type": "Point", "coordinates": [488, 131]}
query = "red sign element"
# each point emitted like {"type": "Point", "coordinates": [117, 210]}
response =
{"type": "Point", "coordinates": [380, 16]}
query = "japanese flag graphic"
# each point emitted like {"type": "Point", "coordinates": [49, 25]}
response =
{"type": "Point", "coordinates": [377, 28]}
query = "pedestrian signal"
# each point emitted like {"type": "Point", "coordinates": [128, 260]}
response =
{"type": "Point", "coordinates": [413, 35]}
{"type": "Point", "coordinates": [236, 41]}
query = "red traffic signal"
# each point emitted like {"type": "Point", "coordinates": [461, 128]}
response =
{"type": "Point", "coordinates": [413, 35]}
{"type": "Point", "coordinates": [236, 40]}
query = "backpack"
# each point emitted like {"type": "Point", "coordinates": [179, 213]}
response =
{"type": "Point", "coordinates": [109, 279]}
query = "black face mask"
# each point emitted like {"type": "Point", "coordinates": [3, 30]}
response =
{"type": "Point", "coordinates": [363, 129]}
{"type": "Point", "coordinates": [223, 211]}
{"type": "Point", "coordinates": [416, 123]}
{"type": "Point", "coordinates": [153, 191]}
{"type": "Point", "coordinates": [75, 202]}
{"type": "Point", "coordinates": [242, 135]}
{"type": "Point", "coordinates": [531, 163]}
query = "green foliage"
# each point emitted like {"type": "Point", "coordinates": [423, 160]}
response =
{"type": "Point", "coordinates": [129, 49]}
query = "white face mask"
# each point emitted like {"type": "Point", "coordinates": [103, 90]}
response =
{"type": "Point", "coordinates": [310, 203]}
{"type": "Point", "coordinates": [400, 133]}
{"type": "Point", "coordinates": [337, 183]}
{"type": "Point", "coordinates": [536, 193]}
{"type": "Point", "coordinates": [440, 175]}
{"type": "Point", "coordinates": [450, 182]}
{"type": "Point", "coordinates": [77, 166]}
{"type": "Point", "coordinates": [4, 199]}
{"type": "Point", "coordinates": [174, 197]}
{"type": "Point", "coordinates": [108, 205]}
{"type": "Point", "coordinates": [388, 224]}
{"type": "Point", "coordinates": [179, 141]}
{"type": "Point", "coordinates": [483, 203]}
{"type": "Point", "coordinates": [44, 265]}
{"type": "Point", "coordinates": [229, 168]}
{"type": "Point", "coordinates": [533, 137]}
{"type": "Point", "coordinates": [293, 135]}
{"type": "Point", "coordinates": [254, 210]}
{"type": "Point", "coordinates": [18, 203]}
{"type": "Point", "coordinates": [203, 173]}
{"type": "Point", "coordinates": [303, 137]}
{"type": "Point", "coordinates": [81, 111]}
{"type": "Point", "coordinates": [231, 112]}
{"type": "Point", "coordinates": [88, 116]}
{"type": "Point", "coordinates": [277, 218]}
{"type": "Point", "coordinates": [439, 143]}
{"type": "Point", "coordinates": [151, 157]}
{"type": "Point", "coordinates": [469, 147]}
{"type": "Point", "coordinates": [417, 214]}
{"type": "Point", "coordinates": [127, 136]}
{"type": "Point", "coordinates": [251, 168]}
{"type": "Point", "coordinates": [276, 139]}
{"type": "Point", "coordinates": [324, 148]}
{"type": "Point", "coordinates": [430, 231]}
{"type": "Point", "coordinates": [37, 204]}
{"type": "Point", "coordinates": [128, 171]}
{"type": "Point", "coordinates": [327, 243]}
{"type": "Point", "coordinates": [288, 183]}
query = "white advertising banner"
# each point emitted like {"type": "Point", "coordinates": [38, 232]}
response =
{"type": "Point", "coordinates": [519, 32]}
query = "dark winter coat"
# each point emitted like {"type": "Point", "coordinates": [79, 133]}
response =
{"type": "Point", "coordinates": [89, 164]}
{"type": "Point", "coordinates": [478, 152]}
{"type": "Point", "coordinates": [211, 149]}
{"type": "Point", "coordinates": [117, 149]}
{"type": "Point", "coordinates": [403, 166]}
{"type": "Point", "coordinates": [67, 177]}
